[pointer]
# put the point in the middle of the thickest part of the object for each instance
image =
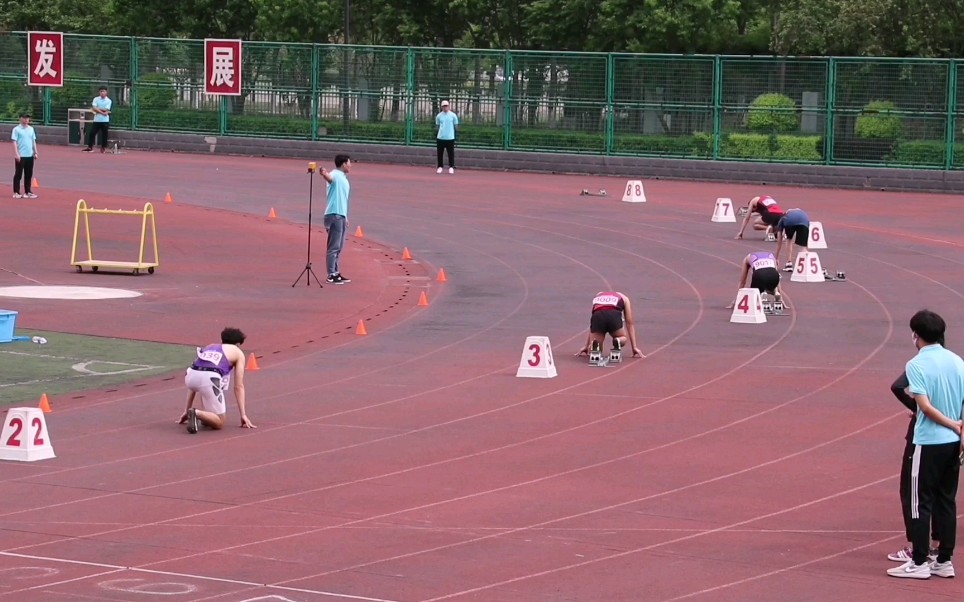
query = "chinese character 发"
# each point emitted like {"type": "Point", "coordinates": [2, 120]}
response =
{"type": "Point", "coordinates": [222, 72]}
{"type": "Point", "coordinates": [45, 61]}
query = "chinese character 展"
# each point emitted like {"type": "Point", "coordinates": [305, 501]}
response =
{"type": "Point", "coordinates": [46, 50]}
{"type": "Point", "coordinates": [222, 70]}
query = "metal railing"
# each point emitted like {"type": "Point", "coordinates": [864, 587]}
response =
{"type": "Point", "coordinates": [826, 110]}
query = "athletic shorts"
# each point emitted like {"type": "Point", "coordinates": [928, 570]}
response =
{"type": "Point", "coordinates": [606, 321]}
{"type": "Point", "coordinates": [210, 387]}
{"type": "Point", "coordinates": [798, 234]}
{"type": "Point", "coordinates": [765, 280]}
{"type": "Point", "coordinates": [771, 219]}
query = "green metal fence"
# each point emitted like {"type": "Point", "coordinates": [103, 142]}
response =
{"type": "Point", "coordinates": [834, 111]}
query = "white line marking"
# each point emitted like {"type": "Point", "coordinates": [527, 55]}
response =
{"type": "Point", "coordinates": [115, 568]}
{"type": "Point", "coordinates": [146, 587]}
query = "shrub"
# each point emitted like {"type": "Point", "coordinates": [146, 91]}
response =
{"type": "Point", "coordinates": [780, 148]}
{"type": "Point", "coordinates": [874, 122]}
{"type": "Point", "coordinates": [73, 94]}
{"type": "Point", "coordinates": [922, 152]}
{"type": "Point", "coordinates": [773, 113]}
{"type": "Point", "coordinates": [672, 146]}
{"type": "Point", "coordinates": [155, 91]}
{"type": "Point", "coordinates": [14, 100]}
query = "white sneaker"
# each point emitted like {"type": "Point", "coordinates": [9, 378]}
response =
{"type": "Point", "coordinates": [942, 569]}
{"type": "Point", "coordinates": [902, 555]}
{"type": "Point", "coordinates": [439, 170]}
{"type": "Point", "coordinates": [909, 570]}
{"type": "Point", "coordinates": [30, 195]}
{"type": "Point", "coordinates": [451, 170]}
{"type": "Point", "coordinates": [17, 195]}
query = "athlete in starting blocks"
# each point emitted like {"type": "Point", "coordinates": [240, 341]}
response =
{"type": "Point", "coordinates": [765, 277]}
{"type": "Point", "coordinates": [612, 314]}
{"type": "Point", "coordinates": [768, 213]}
{"type": "Point", "coordinates": [209, 376]}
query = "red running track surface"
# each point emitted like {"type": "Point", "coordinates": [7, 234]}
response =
{"type": "Point", "coordinates": [735, 462]}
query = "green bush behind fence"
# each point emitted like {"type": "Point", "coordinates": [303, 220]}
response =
{"type": "Point", "coordinates": [832, 110]}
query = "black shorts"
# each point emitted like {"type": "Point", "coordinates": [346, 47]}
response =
{"type": "Point", "coordinates": [771, 219]}
{"type": "Point", "coordinates": [606, 321]}
{"type": "Point", "coordinates": [765, 280]}
{"type": "Point", "coordinates": [798, 234]}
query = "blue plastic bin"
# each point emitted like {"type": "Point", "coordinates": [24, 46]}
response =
{"type": "Point", "coordinates": [8, 320]}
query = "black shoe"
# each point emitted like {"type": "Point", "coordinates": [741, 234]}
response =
{"type": "Point", "coordinates": [336, 279]}
{"type": "Point", "coordinates": [617, 345]}
{"type": "Point", "coordinates": [88, 150]}
{"type": "Point", "coordinates": [192, 421]}
{"type": "Point", "coordinates": [342, 279]}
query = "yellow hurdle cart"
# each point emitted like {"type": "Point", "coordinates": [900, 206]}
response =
{"type": "Point", "coordinates": [147, 218]}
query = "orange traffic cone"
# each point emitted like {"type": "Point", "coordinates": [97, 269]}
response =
{"type": "Point", "coordinates": [252, 363]}
{"type": "Point", "coordinates": [406, 254]}
{"type": "Point", "coordinates": [35, 183]}
{"type": "Point", "coordinates": [423, 300]}
{"type": "Point", "coordinates": [44, 404]}
{"type": "Point", "coordinates": [441, 275]}
{"type": "Point", "coordinates": [360, 329]}
{"type": "Point", "coordinates": [168, 198]}
{"type": "Point", "coordinates": [359, 233]}
{"type": "Point", "coordinates": [272, 214]}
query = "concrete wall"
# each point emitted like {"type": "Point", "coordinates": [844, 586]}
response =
{"type": "Point", "coordinates": [916, 180]}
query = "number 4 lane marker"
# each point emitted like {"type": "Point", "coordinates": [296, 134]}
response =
{"type": "Point", "coordinates": [748, 307]}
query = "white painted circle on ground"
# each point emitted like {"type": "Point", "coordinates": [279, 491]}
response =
{"type": "Point", "coordinates": [66, 292]}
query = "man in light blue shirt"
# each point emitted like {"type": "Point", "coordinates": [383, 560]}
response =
{"type": "Point", "coordinates": [24, 154]}
{"type": "Point", "coordinates": [447, 123]}
{"type": "Point", "coordinates": [336, 215]}
{"type": "Point", "coordinates": [101, 106]}
{"type": "Point", "coordinates": [936, 379]}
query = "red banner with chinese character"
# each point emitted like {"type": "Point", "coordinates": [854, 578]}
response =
{"type": "Point", "coordinates": [222, 67]}
{"type": "Point", "coordinates": [45, 58]}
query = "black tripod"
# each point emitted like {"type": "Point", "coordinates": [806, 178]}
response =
{"type": "Point", "coordinates": [312, 168]}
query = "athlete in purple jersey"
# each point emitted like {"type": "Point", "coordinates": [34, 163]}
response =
{"type": "Point", "coordinates": [209, 376]}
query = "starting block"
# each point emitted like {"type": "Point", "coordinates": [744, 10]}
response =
{"type": "Point", "coordinates": [536, 359]}
{"type": "Point", "coordinates": [723, 211]}
{"type": "Point", "coordinates": [585, 192]}
{"type": "Point", "coordinates": [743, 211]}
{"type": "Point", "coordinates": [25, 437]}
{"type": "Point", "coordinates": [634, 192]}
{"type": "Point", "coordinates": [748, 308]}
{"type": "Point", "coordinates": [771, 237]}
{"type": "Point", "coordinates": [807, 268]}
{"type": "Point", "coordinates": [774, 306]}
{"type": "Point", "coordinates": [841, 275]}
{"type": "Point", "coordinates": [818, 236]}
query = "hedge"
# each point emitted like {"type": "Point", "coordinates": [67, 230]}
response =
{"type": "Point", "coordinates": [779, 148]}
{"type": "Point", "coordinates": [782, 147]}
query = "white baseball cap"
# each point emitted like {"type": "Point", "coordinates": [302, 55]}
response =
{"type": "Point", "coordinates": [445, 103]}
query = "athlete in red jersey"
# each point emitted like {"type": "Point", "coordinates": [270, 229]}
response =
{"type": "Point", "coordinates": [767, 214]}
{"type": "Point", "coordinates": [608, 310]}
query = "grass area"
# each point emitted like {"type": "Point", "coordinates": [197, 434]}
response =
{"type": "Point", "coordinates": [68, 363]}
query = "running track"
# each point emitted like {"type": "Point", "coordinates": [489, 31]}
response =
{"type": "Point", "coordinates": [734, 463]}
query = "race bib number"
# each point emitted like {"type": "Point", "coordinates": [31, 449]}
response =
{"type": "Point", "coordinates": [768, 202]}
{"type": "Point", "coordinates": [765, 262]}
{"type": "Point", "coordinates": [606, 300]}
{"type": "Point", "coordinates": [210, 356]}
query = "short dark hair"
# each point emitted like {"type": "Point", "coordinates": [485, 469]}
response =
{"type": "Point", "coordinates": [232, 336]}
{"type": "Point", "coordinates": [101, 88]}
{"type": "Point", "coordinates": [27, 115]}
{"type": "Point", "coordinates": [928, 326]}
{"type": "Point", "coordinates": [341, 160]}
